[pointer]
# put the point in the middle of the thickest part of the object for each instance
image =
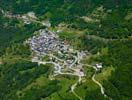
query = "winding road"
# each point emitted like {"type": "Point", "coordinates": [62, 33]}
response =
{"type": "Point", "coordinates": [99, 84]}
{"type": "Point", "coordinates": [74, 86]}
{"type": "Point", "coordinates": [58, 71]}
{"type": "Point", "coordinates": [77, 59]}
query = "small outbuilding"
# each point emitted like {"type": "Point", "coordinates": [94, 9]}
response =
{"type": "Point", "coordinates": [99, 66]}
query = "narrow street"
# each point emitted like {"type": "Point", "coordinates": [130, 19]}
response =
{"type": "Point", "coordinates": [58, 67]}
{"type": "Point", "coordinates": [74, 86]}
{"type": "Point", "coordinates": [100, 85]}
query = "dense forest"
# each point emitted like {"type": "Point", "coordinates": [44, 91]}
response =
{"type": "Point", "coordinates": [13, 31]}
{"type": "Point", "coordinates": [118, 86]}
{"type": "Point", "coordinates": [15, 76]}
{"type": "Point", "coordinates": [112, 30]}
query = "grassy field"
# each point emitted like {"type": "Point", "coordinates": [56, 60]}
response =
{"type": "Point", "coordinates": [104, 74]}
{"type": "Point", "coordinates": [65, 92]}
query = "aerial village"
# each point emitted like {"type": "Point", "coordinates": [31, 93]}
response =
{"type": "Point", "coordinates": [48, 48]}
{"type": "Point", "coordinates": [65, 59]}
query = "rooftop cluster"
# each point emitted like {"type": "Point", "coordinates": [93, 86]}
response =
{"type": "Point", "coordinates": [50, 49]}
{"type": "Point", "coordinates": [47, 42]}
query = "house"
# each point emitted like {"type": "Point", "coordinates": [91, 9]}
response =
{"type": "Point", "coordinates": [99, 66]}
{"type": "Point", "coordinates": [46, 23]}
{"type": "Point", "coordinates": [31, 15]}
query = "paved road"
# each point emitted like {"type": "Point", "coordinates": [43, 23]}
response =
{"type": "Point", "coordinates": [58, 71]}
{"type": "Point", "coordinates": [74, 86]}
{"type": "Point", "coordinates": [99, 84]}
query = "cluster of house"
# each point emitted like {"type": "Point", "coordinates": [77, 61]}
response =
{"type": "Point", "coordinates": [24, 17]}
{"type": "Point", "coordinates": [27, 18]}
{"type": "Point", "coordinates": [46, 42]}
